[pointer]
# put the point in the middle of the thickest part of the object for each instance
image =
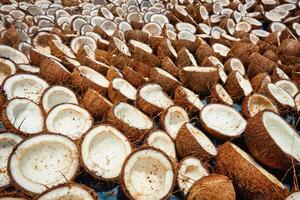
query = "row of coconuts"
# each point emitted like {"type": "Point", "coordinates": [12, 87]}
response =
{"type": "Point", "coordinates": [144, 93]}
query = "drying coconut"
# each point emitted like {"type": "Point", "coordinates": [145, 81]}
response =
{"type": "Point", "coordinates": [69, 190]}
{"type": "Point", "coordinates": [140, 67]}
{"type": "Point", "coordinates": [18, 115]}
{"type": "Point", "coordinates": [55, 95]}
{"type": "Point", "coordinates": [281, 98]}
{"type": "Point", "coordinates": [167, 81]}
{"type": "Point", "coordinates": [161, 140]}
{"type": "Point", "coordinates": [8, 142]}
{"type": "Point", "coordinates": [190, 45]}
{"type": "Point", "coordinates": [214, 186]}
{"type": "Point", "coordinates": [187, 99]}
{"type": "Point", "coordinates": [220, 95]}
{"type": "Point", "coordinates": [84, 77]}
{"type": "Point", "coordinates": [212, 61]}
{"type": "Point", "coordinates": [157, 175]}
{"type": "Point", "coordinates": [234, 64]}
{"type": "Point", "coordinates": [220, 49]}
{"type": "Point", "coordinates": [151, 99]}
{"type": "Point", "coordinates": [172, 119]}
{"type": "Point", "coordinates": [141, 55]}
{"type": "Point", "coordinates": [190, 170]}
{"type": "Point", "coordinates": [199, 79]}
{"type": "Point", "coordinates": [165, 49]}
{"type": "Point", "coordinates": [242, 51]}
{"type": "Point", "coordinates": [55, 162]}
{"type": "Point", "coordinates": [103, 151]}
{"type": "Point", "coordinates": [168, 65]}
{"type": "Point", "coordinates": [293, 196]}
{"type": "Point", "coordinates": [259, 81]}
{"type": "Point", "coordinates": [288, 86]}
{"type": "Point", "coordinates": [153, 28]}
{"type": "Point", "coordinates": [13, 54]}
{"type": "Point", "coordinates": [68, 119]}
{"type": "Point", "coordinates": [279, 74]}
{"type": "Point", "coordinates": [185, 58]}
{"type": "Point", "coordinates": [7, 68]}
{"type": "Point", "coordinates": [131, 121]}
{"type": "Point", "coordinates": [190, 141]}
{"type": "Point", "coordinates": [98, 66]}
{"type": "Point", "coordinates": [112, 73]}
{"type": "Point", "coordinates": [121, 90]}
{"type": "Point", "coordinates": [259, 64]}
{"type": "Point", "coordinates": [118, 47]}
{"type": "Point", "coordinates": [78, 41]}
{"type": "Point", "coordinates": [12, 37]}
{"type": "Point", "coordinates": [290, 47]}
{"type": "Point", "coordinates": [137, 35]}
{"type": "Point", "coordinates": [237, 165]}
{"type": "Point", "coordinates": [36, 56]}
{"type": "Point", "coordinates": [256, 103]}
{"type": "Point", "coordinates": [297, 101]}
{"type": "Point", "coordinates": [268, 126]}
{"type": "Point", "coordinates": [204, 51]}
{"type": "Point", "coordinates": [103, 56]}
{"type": "Point", "coordinates": [85, 51]}
{"type": "Point", "coordinates": [52, 71]}
{"type": "Point", "coordinates": [60, 50]}
{"type": "Point", "coordinates": [133, 77]}
{"type": "Point", "coordinates": [222, 121]}
{"type": "Point", "coordinates": [26, 68]}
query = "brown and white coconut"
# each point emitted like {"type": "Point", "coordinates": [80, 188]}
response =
{"type": "Point", "coordinates": [7, 68]}
{"type": "Point", "coordinates": [288, 86]}
{"type": "Point", "coordinates": [141, 54]}
{"type": "Point", "coordinates": [222, 122]}
{"type": "Point", "coordinates": [204, 51]}
{"type": "Point", "coordinates": [113, 72]}
{"type": "Point", "coordinates": [293, 196]}
{"type": "Point", "coordinates": [234, 64]}
{"type": "Point", "coordinates": [137, 35]}
{"type": "Point", "coordinates": [165, 49]}
{"type": "Point", "coordinates": [168, 65]}
{"type": "Point", "coordinates": [260, 64]}
{"type": "Point", "coordinates": [13, 54]}
{"type": "Point", "coordinates": [37, 57]}
{"type": "Point", "coordinates": [242, 51]}
{"type": "Point", "coordinates": [120, 90]}
{"type": "Point", "coordinates": [279, 74]}
{"type": "Point", "coordinates": [297, 101]}
{"type": "Point", "coordinates": [219, 95]}
{"type": "Point", "coordinates": [235, 163]}
{"type": "Point", "coordinates": [53, 71]}
{"type": "Point", "coordinates": [259, 81]}
{"type": "Point", "coordinates": [185, 58]}
{"type": "Point", "coordinates": [60, 50]}
{"type": "Point", "coordinates": [118, 47]}
{"type": "Point", "coordinates": [156, 178]}
{"type": "Point", "coordinates": [133, 77]}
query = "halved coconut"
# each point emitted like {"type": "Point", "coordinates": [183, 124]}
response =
{"type": "Point", "coordinates": [220, 95]}
{"type": "Point", "coordinates": [130, 120]}
{"type": "Point", "coordinates": [190, 170]}
{"type": "Point", "coordinates": [13, 54]}
{"type": "Point", "coordinates": [103, 151]}
{"type": "Point", "coordinates": [165, 49]}
{"type": "Point", "coordinates": [294, 196]}
{"type": "Point", "coordinates": [77, 42]}
{"type": "Point", "coordinates": [256, 103]}
{"type": "Point", "coordinates": [221, 49]}
{"type": "Point", "coordinates": [37, 56]}
{"type": "Point", "coordinates": [153, 28]}
{"type": "Point", "coordinates": [151, 99]}
{"type": "Point", "coordinates": [27, 68]}
{"type": "Point", "coordinates": [233, 64]}
{"type": "Point", "coordinates": [185, 58]}
{"type": "Point", "coordinates": [7, 68]}
{"type": "Point", "coordinates": [214, 186]}
{"type": "Point", "coordinates": [13, 196]}
{"type": "Point", "coordinates": [148, 173]}
{"type": "Point", "coordinates": [55, 95]}
{"type": "Point", "coordinates": [19, 114]}
{"type": "Point", "coordinates": [68, 119]}
{"type": "Point", "coordinates": [60, 50]}
{"type": "Point", "coordinates": [279, 74]}
{"type": "Point", "coordinates": [24, 86]}
{"type": "Point", "coordinates": [187, 99]}
{"type": "Point", "coordinates": [190, 141]}
{"type": "Point", "coordinates": [53, 71]}
{"type": "Point", "coordinates": [168, 65]}
{"type": "Point", "coordinates": [7, 142]}
{"type": "Point", "coordinates": [121, 90]}
{"type": "Point", "coordinates": [133, 77]}
{"type": "Point", "coordinates": [238, 165]}
{"type": "Point", "coordinates": [260, 81]}
{"type": "Point", "coordinates": [265, 129]}
{"type": "Point", "coordinates": [172, 119]}
{"type": "Point", "coordinates": [43, 161]}
{"type": "Point", "coordinates": [118, 47]}
{"type": "Point", "coordinates": [297, 101]}
{"type": "Point", "coordinates": [222, 121]}
{"type": "Point", "coordinates": [142, 55]}
{"type": "Point", "coordinates": [288, 86]}
{"type": "Point", "coordinates": [69, 191]}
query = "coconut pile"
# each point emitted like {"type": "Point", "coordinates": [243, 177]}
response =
{"type": "Point", "coordinates": [197, 99]}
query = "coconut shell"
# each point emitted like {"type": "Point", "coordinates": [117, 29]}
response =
{"type": "Point", "coordinates": [155, 41]}
{"type": "Point", "coordinates": [140, 68]}
{"type": "Point", "coordinates": [103, 56]}
{"type": "Point", "coordinates": [116, 95]}
{"type": "Point", "coordinates": [216, 98]}
{"type": "Point", "coordinates": [181, 99]}
{"type": "Point", "coordinates": [36, 58]}
{"type": "Point", "coordinates": [204, 51]}
{"type": "Point", "coordinates": [214, 186]}
{"type": "Point", "coordinates": [55, 50]}
{"type": "Point", "coordinates": [70, 2]}
{"type": "Point", "coordinates": [163, 50]}
{"type": "Point", "coordinates": [101, 32]}
{"type": "Point", "coordinates": [168, 65]}
{"type": "Point", "coordinates": [168, 84]}
{"type": "Point", "coordinates": [260, 64]}
{"type": "Point", "coordinates": [290, 47]}
{"type": "Point", "coordinates": [259, 81]}
{"type": "Point", "coordinates": [52, 72]}
{"type": "Point", "coordinates": [133, 77]}
{"type": "Point", "coordinates": [147, 58]}
{"type": "Point", "coordinates": [95, 65]}
{"type": "Point", "coordinates": [137, 35]}
{"type": "Point", "coordinates": [113, 73]}
{"type": "Point", "coordinates": [11, 37]}
{"type": "Point", "coordinates": [242, 51]}
{"type": "Point", "coordinates": [189, 45]}
{"type": "Point", "coordinates": [248, 181]}
{"type": "Point", "coordinates": [271, 55]}
{"type": "Point", "coordinates": [183, 58]}
{"type": "Point", "coordinates": [120, 61]}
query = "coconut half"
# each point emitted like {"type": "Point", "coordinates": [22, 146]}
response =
{"type": "Point", "coordinates": [43, 161]}
{"type": "Point", "coordinates": [189, 171]}
{"type": "Point", "coordinates": [13, 54]}
{"type": "Point", "coordinates": [222, 121]}
{"type": "Point", "coordinates": [104, 150]}
{"type": "Point", "coordinates": [69, 119]}
{"type": "Point", "coordinates": [297, 101]}
{"type": "Point", "coordinates": [288, 86]}
{"type": "Point", "coordinates": [7, 68]}
{"type": "Point", "coordinates": [12, 196]}
{"type": "Point", "coordinates": [294, 196]}
{"type": "Point", "coordinates": [7, 142]}
{"type": "Point", "coordinates": [121, 90]}
{"type": "Point", "coordinates": [148, 174]}
{"type": "Point", "coordinates": [220, 95]}
{"type": "Point", "coordinates": [24, 86]}
{"type": "Point", "coordinates": [55, 95]}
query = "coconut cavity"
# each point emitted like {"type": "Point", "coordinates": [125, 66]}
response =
{"type": "Point", "coordinates": [93, 76]}
{"type": "Point", "coordinates": [124, 87]}
{"type": "Point", "coordinates": [257, 103]}
{"type": "Point", "coordinates": [153, 93]}
{"type": "Point", "coordinates": [281, 95]}
{"type": "Point", "coordinates": [192, 98]}
{"type": "Point", "coordinates": [223, 94]}
{"type": "Point", "coordinates": [7, 68]}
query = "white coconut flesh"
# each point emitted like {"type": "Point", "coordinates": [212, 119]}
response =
{"type": "Point", "coordinates": [7, 68]}
{"type": "Point", "coordinates": [174, 119]}
{"type": "Point", "coordinates": [281, 73]}
{"type": "Point", "coordinates": [182, 26]}
{"type": "Point", "coordinates": [190, 170]}
{"type": "Point", "coordinates": [44, 161]}
{"type": "Point", "coordinates": [294, 196]}
{"type": "Point", "coordinates": [77, 42]}
{"type": "Point", "coordinates": [21, 113]}
{"type": "Point", "coordinates": [7, 142]}
{"type": "Point", "coordinates": [191, 58]}
{"type": "Point", "coordinates": [141, 45]}
{"type": "Point", "coordinates": [288, 86]}
{"type": "Point", "coordinates": [237, 65]}
{"type": "Point", "coordinates": [220, 49]}
{"type": "Point", "coordinates": [41, 44]}
{"type": "Point", "coordinates": [148, 174]}
{"type": "Point", "coordinates": [122, 47]}
{"type": "Point", "coordinates": [64, 48]}
{"type": "Point", "coordinates": [67, 192]}
{"type": "Point", "coordinates": [251, 161]}
{"type": "Point", "coordinates": [186, 35]}
{"type": "Point", "coordinates": [223, 119]}
{"type": "Point", "coordinates": [215, 61]}
{"type": "Point", "coordinates": [165, 73]}
{"type": "Point", "coordinates": [29, 68]}
{"type": "Point", "coordinates": [153, 93]}
{"type": "Point", "coordinates": [200, 69]}
{"type": "Point", "coordinates": [257, 103]}
{"type": "Point", "coordinates": [192, 98]}
{"type": "Point", "coordinates": [171, 48]}
{"type": "Point", "coordinates": [93, 76]}
{"type": "Point", "coordinates": [223, 94]}
{"type": "Point", "coordinates": [281, 95]}
{"type": "Point", "coordinates": [244, 83]}
{"type": "Point", "coordinates": [297, 101]}
{"type": "Point", "coordinates": [69, 119]}
{"type": "Point", "coordinates": [108, 27]}
{"type": "Point", "coordinates": [160, 140]}
{"type": "Point", "coordinates": [13, 54]}
{"type": "Point", "coordinates": [24, 86]}
{"type": "Point", "coordinates": [132, 116]}
{"type": "Point", "coordinates": [124, 87]}
{"type": "Point", "coordinates": [289, 142]}
{"type": "Point", "coordinates": [57, 95]}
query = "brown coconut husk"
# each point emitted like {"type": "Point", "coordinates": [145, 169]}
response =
{"type": "Point", "coordinates": [133, 77]}
{"type": "Point", "coordinates": [11, 37]}
{"type": "Point", "coordinates": [204, 51]}
{"type": "Point", "coordinates": [137, 35]}
{"type": "Point", "coordinates": [140, 67]}
{"type": "Point", "coordinates": [181, 43]}
{"type": "Point", "coordinates": [271, 55]}
{"type": "Point", "coordinates": [155, 41]}
{"type": "Point", "coordinates": [145, 57]}
{"type": "Point", "coordinates": [52, 72]}
{"type": "Point", "coordinates": [163, 50]}
{"type": "Point", "coordinates": [216, 97]}
{"type": "Point", "coordinates": [168, 65]}
{"type": "Point", "coordinates": [112, 73]}
{"type": "Point", "coordinates": [242, 51]}
{"type": "Point", "coordinates": [103, 56]}
{"type": "Point", "coordinates": [120, 61]}
{"type": "Point", "coordinates": [259, 81]}
{"type": "Point", "coordinates": [36, 57]}
{"type": "Point", "coordinates": [259, 64]}
{"type": "Point", "coordinates": [290, 47]}
{"type": "Point", "coordinates": [95, 65]}
{"type": "Point", "coordinates": [183, 58]}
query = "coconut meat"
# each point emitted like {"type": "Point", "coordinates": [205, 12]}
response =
{"type": "Point", "coordinates": [148, 175]}
{"type": "Point", "coordinates": [15, 55]}
{"type": "Point", "coordinates": [21, 113]}
{"type": "Point", "coordinates": [294, 196]}
{"type": "Point", "coordinates": [288, 86]}
{"type": "Point", "coordinates": [77, 42]}
{"type": "Point", "coordinates": [289, 142]}
{"type": "Point", "coordinates": [122, 47]}
{"type": "Point", "coordinates": [7, 142]}
{"type": "Point", "coordinates": [174, 119]}
{"type": "Point", "coordinates": [237, 65]}
{"type": "Point", "coordinates": [281, 95]}
{"type": "Point", "coordinates": [141, 45]}
{"type": "Point", "coordinates": [7, 68]}
{"type": "Point", "coordinates": [200, 69]}
{"type": "Point", "coordinates": [191, 57]}
{"type": "Point", "coordinates": [297, 101]}
{"type": "Point", "coordinates": [69, 119]}
{"type": "Point", "coordinates": [132, 116]}
{"type": "Point", "coordinates": [165, 73]}
{"type": "Point", "coordinates": [103, 150]}
{"type": "Point", "coordinates": [124, 87]}
{"type": "Point", "coordinates": [57, 95]}
{"type": "Point", "coordinates": [223, 119]}
{"type": "Point", "coordinates": [44, 161]}
{"type": "Point", "coordinates": [244, 83]}
{"type": "Point", "coordinates": [24, 86]}
{"type": "Point", "coordinates": [29, 68]}
{"type": "Point", "coordinates": [171, 48]}
{"type": "Point", "coordinates": [257, 103]}
{"type": "Point", "coordinates": [64, 48]}
{"type": "Point", "coordinates": [190, 170]}
{"type": "Point", "coordinates": [93, 76]}
{"type": "Point", "coordinates": [154, 94]}
{"type": "Point", "coordinates": [223, 94]}
{"type": "Point", "coordinates": [192, 98]}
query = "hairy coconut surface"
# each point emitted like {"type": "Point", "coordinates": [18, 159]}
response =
{"type": "Point", "coordinates": [220, 95]}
